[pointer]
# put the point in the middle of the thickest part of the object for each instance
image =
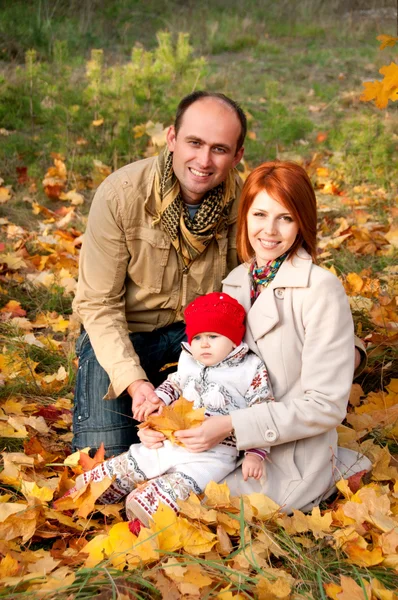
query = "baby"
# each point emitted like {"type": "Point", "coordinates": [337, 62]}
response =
{"type": "Point", "coordinates": [217, 371]}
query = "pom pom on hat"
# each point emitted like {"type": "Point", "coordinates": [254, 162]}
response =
{"type": "Point", "coordinates": [216, 312]}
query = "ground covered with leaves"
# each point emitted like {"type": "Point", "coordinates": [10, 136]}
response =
{"type": "Point", "coordinates": [64, 128]}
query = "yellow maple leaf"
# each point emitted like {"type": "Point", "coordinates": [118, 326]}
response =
{"type": "Point", "coordinates": [5, 194]}
{"type": "Point", "coordinates": [179, 415]}
{"type": "Point", "coordinates": [74, 197]}
{"type": "Point", "coordinates": [332, 589]}
{"type": "Point", "coordinates": [225, 594]}
{"type": "Point", "coordinates": [196, 540]}
{"type": "Point", "coordinates": [380, 591]}
{"type": "Point", "coordinates": [73, 459]}
{"type": "Point", "coordinates": [217, 495]}
{"type": "Point", "coordinates": [350, 590]}
{"type": "Point", "coordinates": [97, 549]}
{"type": "Point", "coordinates": [296, 524]}
{"type": "Point", "coordinates": [9, 567]}
{"type": "Point", "coordinates": [194, 575]}
{"type": "Point", "coordinates": [390, 73]}
{"type": "Point", "coordinates": [166, 525]}
{"type": "Point", "coordinates": [273, 590]}
{"type": "Point", "coordinates": [374, 90]}
{"type": "Point", "coordinates": [10, 508]}
{"type": "Point", "coordinates": [264, 506]}
{"type": "Point", "coordinates": [319, 524]}
{"type": "Point", "coordinates": [231, 525]}
{"type": "Point", "coordinates": [31, 490]}
{"type": "Point", "coordinates": [194, 509]}
{"type": "Point", "coordinates": [85, 498]}
{"type": "Point", "coordinates": [146, 549]}
{"type": "Point", "coordinates": [21, 524]}
{"type": "Point", "coordinates": [363, 557]}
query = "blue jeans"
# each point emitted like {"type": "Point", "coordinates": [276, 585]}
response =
{"type": "Point", "coordinates": [110, 421]}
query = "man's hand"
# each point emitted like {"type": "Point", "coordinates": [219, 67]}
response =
{"type": "Point", "coordinates": [141, 391]}
{"type": "Point", "coordinates": [252, 466]}
{"type": "Point", "coordinates": [211, 432]}
{"type": "Point", "coordinates": [147, 408]}
{"type": "Point", "coordinates": [151, 438]}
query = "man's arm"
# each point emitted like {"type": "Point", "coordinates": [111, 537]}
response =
{"type": "Point", "coordinates": [100, 298]}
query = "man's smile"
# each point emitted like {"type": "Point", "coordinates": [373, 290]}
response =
{"type": "Point", "coordinates": [198, 173]}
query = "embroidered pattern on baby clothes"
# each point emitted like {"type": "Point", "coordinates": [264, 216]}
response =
{"type": "Point", "coordinates": [167, 489]}
{"type": "Point", "coordinates": [259, 389]}
{"type": "Point", "coordinates": [126, 470]}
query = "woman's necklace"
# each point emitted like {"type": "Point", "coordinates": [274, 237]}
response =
{"type": "Point", "coordinates": [262, 276]}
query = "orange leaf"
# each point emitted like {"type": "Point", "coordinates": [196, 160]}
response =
{"type": "Point", "coordinates": [386, 40]}
{"type": "Point", "coordinates": [14, 308]}
{"type": "Point", "coordinates": [89, 463]}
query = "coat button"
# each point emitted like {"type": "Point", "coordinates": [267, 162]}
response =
{"type": "Point", "coordinates": [280, 292]}
{"type": "Point", "coordinates": [270, 435]}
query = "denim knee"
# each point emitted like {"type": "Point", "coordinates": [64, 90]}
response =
{"type": "Point", "coordinates": [96, 420]}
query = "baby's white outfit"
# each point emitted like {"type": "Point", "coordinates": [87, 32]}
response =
{"type": "Point", "coordinates": [239, 381]}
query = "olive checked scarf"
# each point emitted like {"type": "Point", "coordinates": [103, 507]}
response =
{"type": "Point", "coordinates": [190, 237]}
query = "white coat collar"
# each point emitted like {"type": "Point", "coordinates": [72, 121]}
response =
{"type": "Point", "coordinates": [264, 314]}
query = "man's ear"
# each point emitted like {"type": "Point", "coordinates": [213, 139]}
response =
{"type": "Point", "coordinates": [171, 137]}
{"type": "Point", "coordinates": [238, 157]}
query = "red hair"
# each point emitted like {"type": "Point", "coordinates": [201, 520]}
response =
{"type": "Point", "coordinates": [287, 183]}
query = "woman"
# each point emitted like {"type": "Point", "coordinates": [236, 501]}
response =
{"type": "Point", "coordinates": [299, 322]}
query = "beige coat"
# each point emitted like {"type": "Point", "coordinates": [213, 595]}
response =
{"type": "Point", "coordinates": [130, 276]}
{"type": "Point", "coordinates": [301, 326]}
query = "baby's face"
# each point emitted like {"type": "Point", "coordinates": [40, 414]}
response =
{"type": "Point", "coordinates": [211, 348]}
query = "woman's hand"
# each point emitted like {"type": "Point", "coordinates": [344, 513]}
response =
{"type": "Point", "coordinates": [151, 438]}
{"type": "Point", "coordinates": [212, 431]}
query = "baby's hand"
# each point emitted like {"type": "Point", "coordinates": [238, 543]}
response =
{"type": "Point", "coordinates": [147, 408]}
{"type": "Point", "coordinates": [252, 466]}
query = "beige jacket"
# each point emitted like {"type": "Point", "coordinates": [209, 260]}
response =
{"type": "Point", "coordinates": [131, 278]}
{"type": "Point", "coordinates": [301, 326]}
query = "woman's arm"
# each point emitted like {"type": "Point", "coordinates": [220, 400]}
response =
{"type": "Point", "coordinates": [326, 375]}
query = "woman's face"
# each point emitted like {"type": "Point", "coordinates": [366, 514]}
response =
{"type": "Point", "coordinates": [271, 228]}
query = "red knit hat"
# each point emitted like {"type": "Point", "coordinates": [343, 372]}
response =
{"type": "Point", "coordinates": [216, 312]}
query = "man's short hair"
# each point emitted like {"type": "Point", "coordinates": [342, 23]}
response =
{"type": "Point", "coordinates": [199, 95]}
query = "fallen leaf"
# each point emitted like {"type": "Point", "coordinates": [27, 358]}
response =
{"type": "Point", "coordinates": [179, 415]}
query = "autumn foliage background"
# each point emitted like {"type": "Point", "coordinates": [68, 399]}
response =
{"type": "Point", "coordinates": [86, 88]}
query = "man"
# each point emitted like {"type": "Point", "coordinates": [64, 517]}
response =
{"type": "Point", "coordinates": [160, 232]}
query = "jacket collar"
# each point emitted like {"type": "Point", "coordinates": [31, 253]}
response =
{"type": "Point", "coordinates": [293, 272]}
{"type": "Point", "coordinates": [233, 358]}
{"type": "Point", "coordinates": [264, 314]}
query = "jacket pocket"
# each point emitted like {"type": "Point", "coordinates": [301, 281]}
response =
{"type": "Point", "coordinates": [149, 250]}
{"type": "Point", "coordinates": [290, 460]}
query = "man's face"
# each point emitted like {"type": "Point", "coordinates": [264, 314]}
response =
{"type": "Point", "coordinates": [204, 151]}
